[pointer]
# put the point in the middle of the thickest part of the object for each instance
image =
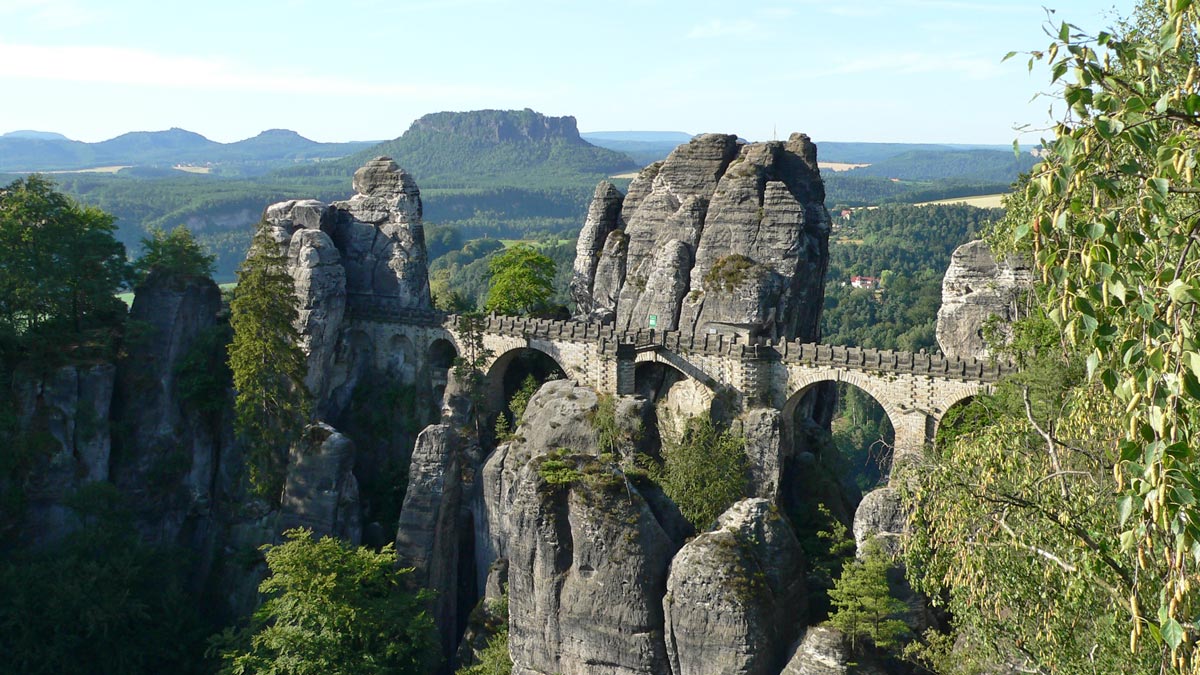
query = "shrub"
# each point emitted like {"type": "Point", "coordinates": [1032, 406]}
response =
{"type": "Point", "coordinates": [704, 470]}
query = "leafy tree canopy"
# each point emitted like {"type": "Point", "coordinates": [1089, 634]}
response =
{"type": "Point", "coordinates": [522, 281]}
{"type": "Point", "coordinates": [1101, 582]}
{"type": "Point", "coordinates": [60, 269]}
{"type": "Point", "coordinates": [175, 252]}
{"type": "Point", "coordinates": [333, 609]}
{"type": "Point", "coordinates": [1110, 217]}
{"type": "Point", "coordinates": [704, 470]}
{"type": "Point", "coordinates": [100, 601]}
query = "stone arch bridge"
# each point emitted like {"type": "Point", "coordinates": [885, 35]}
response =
{"type": "Point", "coordinates": [915, 390]}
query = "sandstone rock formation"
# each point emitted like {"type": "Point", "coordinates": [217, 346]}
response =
{"type": "Point", "coordinates": [720, 236]}
{"type": "Point", "coordinates": [381, 237]}
{"type": "Point", "coordinates": [170, 449]}
{"type": "Point", "coordinates": [369, 246]}
{"type": "Point", "coordinates": [65, 417]}
{"type": "Point", "coordinates": [977, 287]}
{"type": "Point", "coordinates": [587, 566]}
{"type": "Point", "coordinates": [435, 533]}
{"type": "Point", "coordinates": [320, 282]}
{"type": "Point", "coordinates": [880, 515]}
{"type": "Point", "coordinates": [320, 492]}
{"type": "Point", "coordinates": [823, 651]}
{"type": "Point", "coordinates": [587, 554]}
{"type": "Point", "coordinates": [735, 597]}
{"type": "Point", "coordinates": [604, 217]}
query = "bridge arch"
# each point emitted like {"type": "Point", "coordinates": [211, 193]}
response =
{"type": "Point", "coordinates": [912, 428]}
{"type": "Point", "coordinates": [400, 359]}
{"type": "Point", "coordinates": [507, 373]}
{"type": "Point", "coordinates": [440, 358]}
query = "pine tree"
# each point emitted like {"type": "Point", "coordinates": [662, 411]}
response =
{"type": "Point", "coordinates": [866, 609]}
{"type": "Point", "coordinates": [268, 367]}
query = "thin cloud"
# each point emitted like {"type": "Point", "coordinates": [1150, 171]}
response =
{"type": "Point", "coordinates": [135, 67]}
{"type": "Point", "coordinates": [49, 13]}
{"type": "Point", "coordinates": [716, 28]}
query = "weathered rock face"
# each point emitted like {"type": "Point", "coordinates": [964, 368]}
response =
{"type": "Point", "coordinates": [321, 492]}
{"type": "Point", "coordinates": [378, 235]}
{"type": "Point", "coordinates": [880, 515]}
{"type": "Point", "coordinates": [823, 651]}
{"type": "Point", "coordinates": [604, 216]}
{"type": "Point", "coordinates": [435, 534]}
{"type": "Point", "coordinates": [433, 525]}
{"type": "Point", "coordinates": [763, 430]}
{"type": "Point", "coordinates": [610, 274]}
{"type": "Point", "coordinates": [587, 568]}
{"type": "Point", "coordinates": [977, 287]}
{"type": "Point", "coordinates": [381, 238]}
{"type": "Point", "coordinates": [719, 236]}
{"type": "Point", "coordinates": [320, 282]}
{"type": "Point", "coordinates": [65, 416]}
{"type": "Point", "coordinates": [369, 246]}
{"type": "Point", "coordinates": [587, 554]}
{"type": "Point", "coordinates": [169, 449]}
{"type": "Point", "coordinates": [735, 596]}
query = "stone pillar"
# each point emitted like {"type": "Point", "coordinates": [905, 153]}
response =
{"type": "Point", "coordinates": [914, 432]}
{"type": "Point", "coordinates": [626, 367]}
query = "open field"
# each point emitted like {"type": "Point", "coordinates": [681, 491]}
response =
{"type": "Point", "coordinates": [840, 166]}
{"type": "Point", "coordinates": [98, 169]}
{"type": "Point", "coordinates": [188, 168]}
{"type": "Point", "coordinates": [979, 201]}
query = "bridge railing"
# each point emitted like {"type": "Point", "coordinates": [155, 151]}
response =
{"type": "Point", "coordinates": [887, 360]}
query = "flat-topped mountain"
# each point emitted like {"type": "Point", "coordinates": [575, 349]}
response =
{"type": "Point", "coordinates": [510, 147]}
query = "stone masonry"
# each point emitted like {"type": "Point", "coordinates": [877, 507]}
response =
{"type": "Point", "coordinates": [915, 390]}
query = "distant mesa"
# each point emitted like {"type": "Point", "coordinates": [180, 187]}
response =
{"type": "Point", "coordinates": [499, 125]}
{"type": "Point", "coordinates": [496, 145]}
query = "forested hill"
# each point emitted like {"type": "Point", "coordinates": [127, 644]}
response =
{"type": "Point", "coordinates": [977, 165]}
{"type": "Point", "coordinates": [491, 148]}
{"type": "Point", "coordinates": [31, 151]}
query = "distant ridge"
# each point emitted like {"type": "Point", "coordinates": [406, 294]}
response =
{"type": "Point", "coordinates": [35, 135]}
{"type": "Point", "coordinates": [46, 151]}
{"type": "Point", "coordinates": [676, 137]}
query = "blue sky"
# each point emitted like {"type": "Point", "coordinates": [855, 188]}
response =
{"type": "Point", "coordinates": [839, 70]}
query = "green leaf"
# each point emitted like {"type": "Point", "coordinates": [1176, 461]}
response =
{"type": "Point", "coordinates": [1125, 507]}
{"type": "Point", "coordinates": [1181, 291]}
{"type": "Point", "coordinates": [1161, 186]}
{"type": "Point", "coordinates": [1191, 385]}
{"type": "Point", "coordinates": [1007, 57]}
{"type": "Point", "coordinates": [1172, 633]}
